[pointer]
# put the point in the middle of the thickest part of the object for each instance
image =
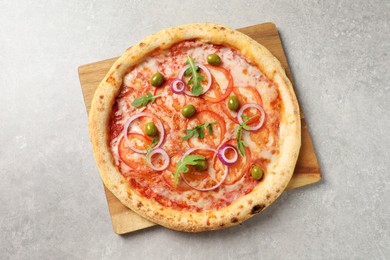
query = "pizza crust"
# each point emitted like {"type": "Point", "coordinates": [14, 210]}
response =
{"type": "Point", "coordinates": [267, 191]}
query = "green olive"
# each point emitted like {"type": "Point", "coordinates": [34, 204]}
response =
{"type": "Point", "coordinates": [233, 103]}
{"type": "Point", "coordinates": [257, 172]}
{"type": "Point", "coordinates": [150, 129]}
{"type": "Point", "coordinates": [213, 59]}
{"type": "Point", "coordinates": [188, 110]}
{"type": "Point", "coordinates": [157, 79]}
{"type": "Point", "coordinates": [201, 165]}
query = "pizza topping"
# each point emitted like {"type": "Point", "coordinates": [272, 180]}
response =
{"type": "Point", "coordinates": [178, 86]}
{"type": "Point", "coordinates": [188, 110]}
{"type": "Point", "coordinates": [218, 130]}
{"type": "Point", "coordinates": [209, 183]}
{"type": "Point", "coordinates": [244, 95]}
{"type": "Point", "coordinates": [181, 166]}
{"type": "Point", "coordinates": [257, 172]}
{"type": "Point", "coordinates": [214, 177]}
{"type": "Point", "coordinates": [221, 86]}
{"type": "Point", "coordinates": [243, 126]}
{"type": "Point", "coordinates": [160, 128]}
{"type": "Point", "coordinates": [201, 165]}
{"type": "Point", "coordinates": [132, 159]}
{"type": "Point", "coordinates": [214, 59]}
{"type": "Point", "coordinates": [150, 129]}
{"type": "Point", "coordinates": [195, 76]}
{"type": "Point", "coordinates": [157, 79]}
{"type": "Point", "coordinates": [238, 170]}
{"type": "Point", "coordinates": [233, 103]}
{"type": "Point", "coordinates": [240, 117]}
{"type": "Point", "coordinates": [223, 150]}
{"type": "Point", "coordinates": [165, 156]}
{"type": "Point", "coordinates": [152, 145]}
{"type": "Point", "coordinates": [144, 100]}
{"type": "Point", "coordinates": [192, 69]}
{"type": "Point", "coordinates": [198, 131]}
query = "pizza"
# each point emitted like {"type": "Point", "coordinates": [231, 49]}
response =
{"type": "Point", "coordinates": [196, 128]}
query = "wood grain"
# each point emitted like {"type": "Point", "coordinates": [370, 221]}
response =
{"type": "Point", "coordinates": [306, 171]}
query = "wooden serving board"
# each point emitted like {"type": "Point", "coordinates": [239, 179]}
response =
{"type": "Point", "coordinates": [306, 171]}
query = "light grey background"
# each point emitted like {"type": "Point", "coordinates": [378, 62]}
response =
{"type": "Point", "coordinates": [52, 204]}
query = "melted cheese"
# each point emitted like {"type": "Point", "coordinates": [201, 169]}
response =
{"type": "Point", "coordinates": [167, 108]}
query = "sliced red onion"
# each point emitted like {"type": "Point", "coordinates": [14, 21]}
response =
{"type": "Point", "coordinates": [160, 128]}
{"type": "Point", "coordinates": [222, 154]}
{"type": "Point", "coordinates": [251, 105]}
{"type": "Point", "coordinates": [178, 86]}
{"type": "Point", "coordinates": [165, 156]}
{"type": "Point", "coordinates": [206, 70]}
{"type": "Point", "coordinates": [189, 151]}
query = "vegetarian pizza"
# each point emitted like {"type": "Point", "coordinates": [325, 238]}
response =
{"type": "Point", "coordinates": [196, 128]}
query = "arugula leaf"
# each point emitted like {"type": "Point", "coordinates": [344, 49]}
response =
{"type": "Point", "coordinates": [198, 131]}
{"type": "Point", "coordinates": [241, 142]}
{"type": "Point", "coordinates": [195, 78]}
{"type": "Point", "coordinates": [181, 167]}
{"type": "Point", "coordinates": [144, 100]}
{"type": "Point", "coordinates": [245, 117]}
{"type": "Point", "coordinates": [153, 144]}
{"type": "Point", "coordinates": [210, 127]}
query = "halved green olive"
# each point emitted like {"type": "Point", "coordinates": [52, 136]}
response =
{"type": "Point", "coordinates": [201, 165]}
{"type": "Point", "coordinates": [213, 59]}
{"type": "Point", "coordinates": [233, 103]}
{"type": "Point", "coordinates": [257, 172]}
{"type": "Point", "coordinates": [188, 110]}
{"type": "Point", "coordinates": [157, 79]}
{"type": "Point", "coordinates": [150, 129]}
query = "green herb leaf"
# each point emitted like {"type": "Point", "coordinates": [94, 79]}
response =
{"type": "Point", "coordinates": [144, 100]}
{"type": "Point", "coordinates": [153, 144]}
{"type": "Point", "coordinates": [245, 127]}
{"type": "Point", "coordinates": [245, 117]}
{"type": "Point", "coordinates": [241, 148]}
{"type": "Point", "coordinates": [195, 77]}
{"type": "Point", "coordinates": [241, 142]}
{"type": "Point", "coordinates": [198, 131]}
{"type": "Point", "coordinates": [210, 128]}
{"type": "Point", "coordinates": [181, 167]}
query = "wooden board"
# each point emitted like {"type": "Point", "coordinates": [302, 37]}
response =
{"type": "Point", "coordinates": [306, 171]}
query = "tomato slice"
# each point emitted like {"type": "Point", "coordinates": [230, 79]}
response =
{"type": "Point", "coordinates": [219, 129]}
{"type": "Point", "coordinates": [208, 178]}
{"type": "Point", "coordinates": [215, 86]}
{"type": "Point", "coordinates": [248, 95]}
{"type": "Point", "coordinates": [132, 159]}
{"type": "Point", "coordinates": [168, 177]}
{"type": "Point", "coordinates": [232, 115]}
{"type": "Point", "coordinates": [238, 170]}
{"type": "Point", "coordinates": [244, 95]}
{"type": "Point", "coordinates": [260, 137]}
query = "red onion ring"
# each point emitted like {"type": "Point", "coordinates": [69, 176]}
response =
{"type": "Point", "coordinates": [164, 154]}
{"type": "Point", "coordinates": [218, 183]}
{"type": "Point", "coordinates": [262, 116]}
{"type": "Point", "coordinates": [160, 128]}
{"type": "Point", "coordinates": [206, 70]}
{"type": "Point", "coordinates": [175, 86]}
{"type": "Point", "coordinates": [222, 154]}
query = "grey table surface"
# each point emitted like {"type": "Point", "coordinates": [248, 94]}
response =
{"type": "Point", "coordinates": [52, 204]}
